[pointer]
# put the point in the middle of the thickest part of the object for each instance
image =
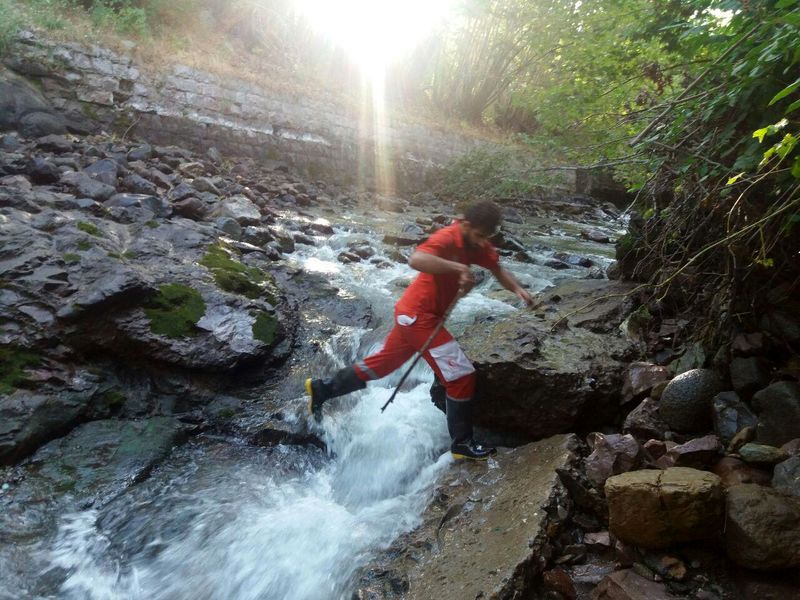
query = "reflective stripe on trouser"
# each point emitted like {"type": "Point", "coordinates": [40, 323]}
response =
{"type": "Point", "coordinates": [444, 355]}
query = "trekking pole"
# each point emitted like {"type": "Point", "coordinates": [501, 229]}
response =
{"type": "Point", "coordinates": [422, 350]}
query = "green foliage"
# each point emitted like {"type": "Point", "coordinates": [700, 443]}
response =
{"type": "Point", "coordinates": [84, 245]}
{"type": "Point", "coordinates": [89, 228]}
{"type": "Point", "coordinates": [13, 363]}
{"type": "Point", "coordinates": [496, 175]}
{"type": "Point", "coordinates": [265, 327]}
{"type": "Point", "coordinates": [151, 224]}
{"type": "Point", "coordinates": [175, 311]}
{"type": "Point", "coordinates": [120, 15]}
{"type": "Point", "coordinates": [232, 276]}
{"type": "Point", "coordinates": [9, 24]}
{"type": "Point", "coordinates": [71, 258]}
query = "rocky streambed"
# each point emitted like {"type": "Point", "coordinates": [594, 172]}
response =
{"type": "Point", "coordinates": [159, 310]}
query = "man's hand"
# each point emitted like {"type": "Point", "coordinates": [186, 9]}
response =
{"type": "Point", "coordinates": [525, 297]}
{"type": "Point", "coordinates": [465, 279]}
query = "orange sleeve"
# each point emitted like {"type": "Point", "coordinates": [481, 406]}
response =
{"type": "Point", "coordinates": [488, 258]}
{"type": "Point", "coordinates": [438, 243]}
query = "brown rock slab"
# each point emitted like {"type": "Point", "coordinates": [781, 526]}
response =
{"type": "Point", "coordinates": [656, 509]}
{"type": "Point", "coordinates": [733, 471]}
{"type": "Point", "coordinates": [628, 585]}
{"type": "Point", "coordinates": [762, 528]}
{"type": "Point", "coordinates": [487, 543]}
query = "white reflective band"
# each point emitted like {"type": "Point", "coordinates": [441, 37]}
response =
{"type": "Point", "coordinates": [405, 320]}
{"type": "Point", "coordinates": [451, 360]}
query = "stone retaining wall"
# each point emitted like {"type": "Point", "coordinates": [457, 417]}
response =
{"type": "Point", "coordinates": [99, 88]}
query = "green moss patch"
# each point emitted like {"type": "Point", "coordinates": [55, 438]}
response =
{"type": "Point", "coordinates": [13, 363]}
{"type": "Point", "coordinates": [265, 327]}
{"type": "Point", "coordinates": [71, 258]}
{"type": "Point", "coordinates": [175, 311]}
{"type": "Point", "coordinates": [89, 228]}
{"type": "Point", "coordinates": [84, 245]}
{"type": "Point", "coordinates": [232, 276]}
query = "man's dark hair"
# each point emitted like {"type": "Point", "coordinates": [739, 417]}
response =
{"type": "Point", "coordinates": [483, 215]}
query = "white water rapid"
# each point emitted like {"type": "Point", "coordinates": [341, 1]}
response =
{"type": "Point", "coordinates": [227, 521]}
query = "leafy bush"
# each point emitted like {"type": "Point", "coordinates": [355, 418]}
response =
{"type": "Point", "coordinates": [9, 23]}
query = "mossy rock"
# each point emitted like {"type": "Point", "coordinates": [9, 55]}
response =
{"type": "Point", "coordinates": [13, 363]}
{"type": "Point", "coordinates": [89, 228]}
{"type": "Point", "coordinates": [175, 311]}
{"type": "Point", "coordinates": [265, 327]}
{"type": "Point", "coordinates": [236, 278]}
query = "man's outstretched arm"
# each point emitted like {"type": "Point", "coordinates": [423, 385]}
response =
{"type": "Point", "coordinates": [508, 281]}
{"type": "Point", "coordinates": [436, 265]}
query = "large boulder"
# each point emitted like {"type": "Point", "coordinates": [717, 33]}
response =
{"type": "Point", "coordinates": [786, 477]}
{"type": "Point", "coordinates": [539, 374]}
{"type": "Point", "coordinates": [656, 509]}
{"type": "Point", "coordinates": [778, 410]}
{"type": "Point", "coordinates": [762, 528]}
{"type": "Point", "coordinates": [686, 401]}
{"type": "Point", "coordinates": [23, 106]}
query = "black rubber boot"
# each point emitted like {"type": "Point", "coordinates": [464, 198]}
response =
{"type": "Point", "coordinates": [438, 395]}
{"type": "Point", "coordinates": [321, 390]}
{"type": "Point", "coordinates": [459, 424]}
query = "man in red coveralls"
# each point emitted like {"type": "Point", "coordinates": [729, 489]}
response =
{"type": "Point", "coordinates": [444, 261]}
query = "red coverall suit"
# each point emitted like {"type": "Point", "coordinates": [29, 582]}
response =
{"type": "Point", "coordinates": [420, 310]}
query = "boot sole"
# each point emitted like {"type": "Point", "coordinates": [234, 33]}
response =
{"type": "Point", "coordinates": [465, 457]}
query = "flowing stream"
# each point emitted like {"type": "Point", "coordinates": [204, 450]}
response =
{"type": "Point", "coordinates": [224, 520]}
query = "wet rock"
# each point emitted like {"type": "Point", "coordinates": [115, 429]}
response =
{"type": "Point", "coordinates": [613, 271]}
{"type": "Point", "coordinates": [229, 226]}
{"type": "Point", "coordinates": [401, 240]}
{"type": "Point", "coordinates": [612, 454]}
{"type": "Point", "coordinates": [42, 171]}
{"type": "Point", "coordinates": [204, 184]}
{"type": "Point", "coordinates": [748, 375]}
{"type": "Point", "coordinates": [241, 209]}
{"type": "Point", "coordinates": [762, 528]}
{"type": "Point", "coordinates": [730, 416]}
{"type": "Point", "coordinates": [38, 124]}
{"type": "Point", "coordinates": [733, 471]}
{"type": "Point", "coordinates": [557, 580]}
{"type": "Point", "coordinates": [629, 585]}
{"type": "Point", "coordinates": [181, 191]}
{"type": "Point", "coordinates": [320, 228]}
{"type": "Point", "coordinates": [88, 187]}
{"type": "Point", "coordinates": [745, 435]}
{"type": "Point", "coordinates": [301, 238]}
{"type": "Point", "coordinates": [697, 454]}
{"type": "Point", "coordinates": [656, 509]}
{"type": "Point", "coordinates": [104, 171]}
{"type": "Point", "coordinates": [535, 381]}
{"type": "Point", "coordinates": [657, 448]}
{"type": "Point", "coordinates": [29, 419]}
{"type": "Point", "coordinates": [792, 447]}
{"type": "Point", "coordinates": [748, 344]}
{"type": "Point", "coordinates": [191, 208]}
{"type": "Point", "coordinates": [154, 205]}
{"type": "Point", "coordinates": [573, 260]}
{"type": "Point", "coordinates": [258, 236]}
{"type": "Point", "coordinates": [686, 401]}
{"type": "Point", "coordinates": [778, 410]}
{"type": "Point", "coordinates": [348, 257]}
{"type": "Point", "coordinates": [786, 477]}
{"type": "Point", "coordinates": [138, 185]}
{"type": "Point", "coordinates": [54, 143]}
{"type": "Point", "coordinates": [595, 236]}
{"type": "Point", "coordinates": [644, 421]}
{"type": "Point", "coordinates": [501, 519]}
{"type": "Point", "coordinates": [641, 377]}
{"type": "Point", "coordinates": [761, 454]}
{"type": "Point", "coordinates": [142, 152]}
{"type": "Point", "coordinates": [556, 264]}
